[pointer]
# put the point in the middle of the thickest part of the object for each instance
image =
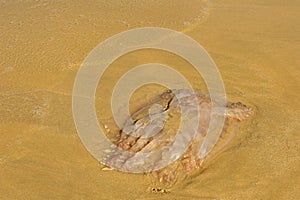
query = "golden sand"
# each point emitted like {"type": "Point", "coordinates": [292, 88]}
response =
{"type": "Point", "coordinates": [255, 45]}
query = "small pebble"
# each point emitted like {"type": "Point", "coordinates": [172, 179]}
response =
{"type": "Point", "coordinates": [8, 68]}
{"type": "Point", "coordinates": [186, 23]}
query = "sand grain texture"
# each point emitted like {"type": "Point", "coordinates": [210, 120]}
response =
{"type": "Point", "coordinates": [255, 45]}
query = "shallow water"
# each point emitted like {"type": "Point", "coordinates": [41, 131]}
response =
{"type": "Point", "coordinates": [255, 45]}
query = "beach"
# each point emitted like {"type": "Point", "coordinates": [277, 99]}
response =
{"type": "Point", "coordinates": [254, 44]}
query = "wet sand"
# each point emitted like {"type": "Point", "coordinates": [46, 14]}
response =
{"type": "Point", "coordinates": [255, 45]}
